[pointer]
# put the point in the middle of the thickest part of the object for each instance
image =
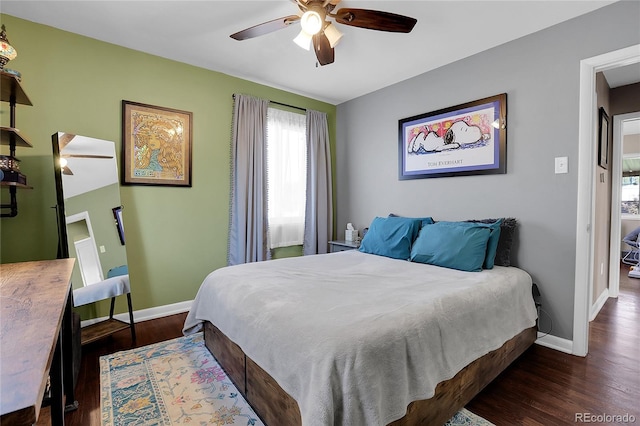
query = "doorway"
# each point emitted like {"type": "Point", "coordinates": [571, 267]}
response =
{"type": "Point", "coordinates": [623, 124]}
{"type": "Point", "coordinates": [587, 122]}
{"type": "Point", "coordinates": [80, 232]}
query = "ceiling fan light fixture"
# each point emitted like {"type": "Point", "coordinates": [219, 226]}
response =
{"type": "Point", "coordinates": [333, 34]}
{"type": "Point", "coordinates": [311, 22]}
{"type": "Point", "coordinates": [303, 40]}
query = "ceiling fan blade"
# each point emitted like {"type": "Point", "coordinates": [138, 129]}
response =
{"type": "Point", "coordinates": [324, 51]}
{"type": "Point", "coordinates": [375, 20]}
{"type": "Point", "coordinates": [265, 28]}
{"type": "Point", "coordinates": [85, 156]}
{"type": "Point", "coordinates": [64, 140]}
{"type": "Point", "coordinates": [326, 2]}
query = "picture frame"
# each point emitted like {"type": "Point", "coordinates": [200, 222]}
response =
{"type": "Point", "coordinates": [156, 145]}
{"type": "Point", "coordinates": [465, 139]}
{"type": "Point", "coordinates": [117, 215]}
{"type": "Point", "coordinates": [603, 139]}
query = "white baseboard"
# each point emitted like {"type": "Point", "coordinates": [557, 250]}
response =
{"type": "Point", "coordinates": [595, 308]}
{"type": "Point", "coordinates": [147, 314]}
{"type": "Point", "coordinates": [553, 342]}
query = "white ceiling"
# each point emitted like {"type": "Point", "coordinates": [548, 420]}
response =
{"type": "Point", "coordinates": [89, 172]}
{"type": "Point", "coordinates": [631, 127]}
{"type": "Point", "coordinates": [623, 76]}
{"type": "Point", "coordinates": [197, 33]}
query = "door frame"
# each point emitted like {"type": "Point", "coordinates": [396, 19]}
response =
{"type": "Point", "coordinates": [91, 254]}
{"type": "Point", "coordinates": [616, 197]}
{"type": "Point", "coordinates": [587, 131]}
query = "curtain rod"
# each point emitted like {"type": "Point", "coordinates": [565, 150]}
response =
{"type": "Point", "coordinates": [287, 105]}
{"type": "Point", "coordinates": [280, 103]}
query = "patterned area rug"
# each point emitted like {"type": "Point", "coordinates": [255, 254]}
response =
{"type": "Point", "coordinates": [179, 382]}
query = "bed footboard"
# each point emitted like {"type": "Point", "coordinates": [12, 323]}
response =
{"type": "Point", "coordinates": [262, 392]}
{"type": "Point", "coordinates": [276, 407]}
{"type": "Point", "coordinates": [228, 354]}
{"type": "Point", "coordinates": [453, 394]}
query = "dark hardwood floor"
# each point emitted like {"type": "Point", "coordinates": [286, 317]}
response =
{"type": "Point", "coordinates": [543, 387]}
{"type": "Point", "coordinates": [547, 387]}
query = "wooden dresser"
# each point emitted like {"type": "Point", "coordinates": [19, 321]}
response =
{"type": "Point", "coordinates": [35, 308]}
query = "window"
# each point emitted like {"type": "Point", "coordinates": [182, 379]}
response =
{"type": "Point", "coordinates": [286, 177]}
{"type": "Point", "coordinates": [631, 194]}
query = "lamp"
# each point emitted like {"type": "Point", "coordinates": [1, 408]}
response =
{"type": "Point", "coordinates": [499, 124]}
{"type": "Point", "coordinates": [7, 52]}
{"type": "Point", "coordinates": [63, 167]}
{"type": "Point", "coordinates": [333, 34]}
{"type": "Point", "coordinates": [303, 40]}
{"type": "Point", "coordinates": [311, 22]}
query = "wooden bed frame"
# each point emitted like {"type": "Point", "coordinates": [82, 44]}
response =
{"type": "Point", "coordinates": [276, 407]}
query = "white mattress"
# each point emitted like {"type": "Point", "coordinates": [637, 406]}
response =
{"type": "Point", "coordinates": [355, 337]}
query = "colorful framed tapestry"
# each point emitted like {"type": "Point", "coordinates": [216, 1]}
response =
{"type": "Point", "coordinates": [156, 145]}
{"type": "Point", "coordinates": [466, 139]}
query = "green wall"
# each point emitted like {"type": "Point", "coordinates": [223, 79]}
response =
{"type": "Point", "coordinates": [175, 236]}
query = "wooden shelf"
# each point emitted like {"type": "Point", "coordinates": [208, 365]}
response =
{"type": "Point", "coordinates": [10, 86]}
{"type": "Point", "coordinates": [11, 91]}
{"type": "Point", "coordinates": [16, 184]}
{"type": "Point", "coordinates": [10, 135]}
{"type": "Point", "coordinates": [102, 329]}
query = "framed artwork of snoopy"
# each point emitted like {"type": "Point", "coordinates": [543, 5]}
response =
{"type": "Point", "coordinates": [466, 139]}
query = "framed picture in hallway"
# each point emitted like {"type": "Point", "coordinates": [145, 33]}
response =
{"type": "Point", "coordinates": [117, 215]}
{"type": "Point", "coordinates": [603, 139]}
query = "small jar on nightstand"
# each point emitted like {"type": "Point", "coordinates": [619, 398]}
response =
{"type": "Point", "coordinates": [342, 245]}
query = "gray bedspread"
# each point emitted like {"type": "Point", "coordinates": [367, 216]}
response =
{"type": "Point", "coordinates": [355, 337]}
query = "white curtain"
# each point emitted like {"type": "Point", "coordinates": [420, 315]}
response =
{"type": "Point", "coordinates": [248, 236]}
{"type": "Point", "coordinates": [319, 205]}
{"type": "Point", "coordinates": [287, 164]}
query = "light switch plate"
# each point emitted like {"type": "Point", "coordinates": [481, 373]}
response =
{"type": "Point", "coordinates": [562, 165]}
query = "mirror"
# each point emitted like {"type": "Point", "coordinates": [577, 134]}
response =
{"type": "Point", "coordinates": [90, 223]}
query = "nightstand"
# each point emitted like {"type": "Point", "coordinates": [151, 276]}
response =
{"type": "Point", "coordinates": [342, 245]}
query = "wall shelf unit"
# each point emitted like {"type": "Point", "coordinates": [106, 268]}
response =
{"type": "Point", "coordinates": [11, 92]}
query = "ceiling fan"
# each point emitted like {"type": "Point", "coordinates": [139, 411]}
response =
{"type": "Point", "coordinates": [316, 27]}
{"type": "Point", "coordinates": [63, 141]}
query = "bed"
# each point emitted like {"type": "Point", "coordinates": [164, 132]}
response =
{"type": "Point", "coordinates": [359, 338]}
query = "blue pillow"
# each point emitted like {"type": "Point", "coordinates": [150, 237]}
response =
{"type": "Point", "coordinates": [508, 227]}
{"type": "Point", "coordinates": [423, 220]}
{"type": "Point", "coordinates": [120, 270]}
{"type": "Point", "coordinates": [456, 245]}
{"type": "Point", "coordinates": [390, 237]}
{"type": "Point", "coordinates": [492, 244]}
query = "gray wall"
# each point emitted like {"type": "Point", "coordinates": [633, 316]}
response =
{"type": "Point", "coordinates": [540, 74]}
